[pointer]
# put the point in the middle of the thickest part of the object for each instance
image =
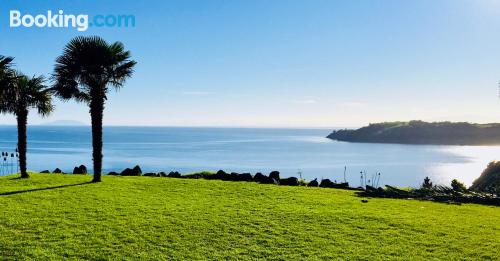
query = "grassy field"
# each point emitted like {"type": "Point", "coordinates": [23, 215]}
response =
{"type": "Point", "coordinates": [62, 217]}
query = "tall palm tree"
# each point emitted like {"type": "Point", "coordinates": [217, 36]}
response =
{"type": "Point", "coordinates": [86, 71]}
{"type": "Point", "coordinates": [18, 94]}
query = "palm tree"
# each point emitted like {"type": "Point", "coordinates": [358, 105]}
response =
{"type": "Point", "coordinates": [5, 70]}
{"type": "Point", "coordinates": [5, 63]}
{"type": "Point", "coordinates": [85, 71]}
{"type": "Point", "coordinates": [19, 94]}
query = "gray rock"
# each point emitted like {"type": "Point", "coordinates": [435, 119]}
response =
{"type": "Point", "coordinates": [275, 175]}
{"type": "Point", "coordinates": [292, 181]}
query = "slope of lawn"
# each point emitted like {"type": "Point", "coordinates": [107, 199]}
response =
{"type": "Point", "coordinates": [61, 216]}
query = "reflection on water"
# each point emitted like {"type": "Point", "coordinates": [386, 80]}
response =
{"type": "Point", "coordinates": [474, 160]}
{"type": "Point", "coordinates": [251, 150]}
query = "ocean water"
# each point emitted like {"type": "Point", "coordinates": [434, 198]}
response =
{"type": "Point", "coordinates": [289, 151]}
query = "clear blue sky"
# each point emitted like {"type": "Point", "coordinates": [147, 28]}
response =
{"type": "Point", "coordinates": [283, 63]}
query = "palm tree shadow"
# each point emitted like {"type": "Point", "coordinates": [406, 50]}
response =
{"type": "Point", "coordinates": [41, 189]}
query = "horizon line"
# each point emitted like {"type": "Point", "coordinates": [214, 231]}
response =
{"type": "Point", "coordinates": [189, 126]}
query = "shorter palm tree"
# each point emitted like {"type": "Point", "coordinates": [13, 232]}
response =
{"type": "Point", "coordinates": [18, 94]}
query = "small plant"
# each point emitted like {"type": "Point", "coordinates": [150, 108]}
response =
{"type": "Point", "coordinates": [427, 183]}
{"type": "Point", "coordinates": [303, 182]}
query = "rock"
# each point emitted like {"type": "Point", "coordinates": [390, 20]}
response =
{"type": "Point", "coordinates": [112, 173]}
{"type": "Point", "coordinates": [263, 179]}
{"type": "Point", "coordinates": [126, 172]}
{"type": "Point", "coordinates": [326, 183]}
{"type": "Point", "coordinates": [259, 177]}
{"type": "Point", "coordinates": [370, 188]}
{"type": "Point", "coordinates": [313, 183]}
{"type": "Point", "coordinates": [234, 176]}
{"type": "Point", "coordinates": [292, 181]}
{"type": "Point", "coordinates": [220, 175]}
{"type": "Point", "coordinates": [82, 170]}
{"type": "Point", "coordinates": [57, 170]}
{"type": "Point", "coordinates": [45, 171]}
{"type": "Point", "coordinates": [275, 175]}
{"type": "Point", "coordinates": [344, 185]}
{"type": "Point", "coordinates": [150, 174]}
{"type": "Point", "coordinates": [136, 171]}
{"type": "Point", "coordinates": [245, 177]}
{"type": "Point", "coordinates": [174, 174]}
{"type": "Point", "coordinates": [220, 172]}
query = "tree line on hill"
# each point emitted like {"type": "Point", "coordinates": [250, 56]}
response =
{"type": "Point", "coordinates": [420, 132]}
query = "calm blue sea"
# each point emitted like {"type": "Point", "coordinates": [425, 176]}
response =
{"type": "Point", "coordinates": [289, 151]}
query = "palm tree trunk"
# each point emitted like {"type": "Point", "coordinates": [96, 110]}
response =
{"type": "Point", "coordinates": [96, 114]}
{"type": "Point", "coordinates": [22, 121]}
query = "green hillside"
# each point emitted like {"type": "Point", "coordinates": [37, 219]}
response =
{"type": "Point", "coordinates": [419, 132]}
{"type": "Point", "coordinates": [61, 216]}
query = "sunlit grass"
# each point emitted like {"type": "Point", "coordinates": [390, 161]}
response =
{"type": "Point", "coordinates": [62, 216]}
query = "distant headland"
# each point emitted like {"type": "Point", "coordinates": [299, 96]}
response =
{"type": "Point", "coordinates": [420, 132]}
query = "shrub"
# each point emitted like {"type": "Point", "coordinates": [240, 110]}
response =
{"type": "Point", "coordinates": [199, 175]}
{"type": "Point", "coordinates": [489, 181]}
{"type": "Point", "coordinates": [427, 183]}
{"type": "Point", "coordinates": [458, 186]}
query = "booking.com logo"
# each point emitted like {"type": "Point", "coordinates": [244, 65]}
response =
{"type": "Point", "coordinates": [61, 20]}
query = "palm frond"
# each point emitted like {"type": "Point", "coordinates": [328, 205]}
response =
{"type": "Point", "coordinates": [24, 93]}
{"type": "Point", "coordinates": [5, 62]}
{"type": "Point", "coordinates": [88, 66]}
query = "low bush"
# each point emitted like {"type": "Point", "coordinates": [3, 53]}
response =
{"type": "Point", "coordinates": [489, 181]}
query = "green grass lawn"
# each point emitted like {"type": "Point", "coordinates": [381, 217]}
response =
{"type": "Point", "coordinates": [61, 216]}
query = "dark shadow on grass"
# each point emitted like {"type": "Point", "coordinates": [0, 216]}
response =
{"type": "Point", "coordinates": [41, 189]}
